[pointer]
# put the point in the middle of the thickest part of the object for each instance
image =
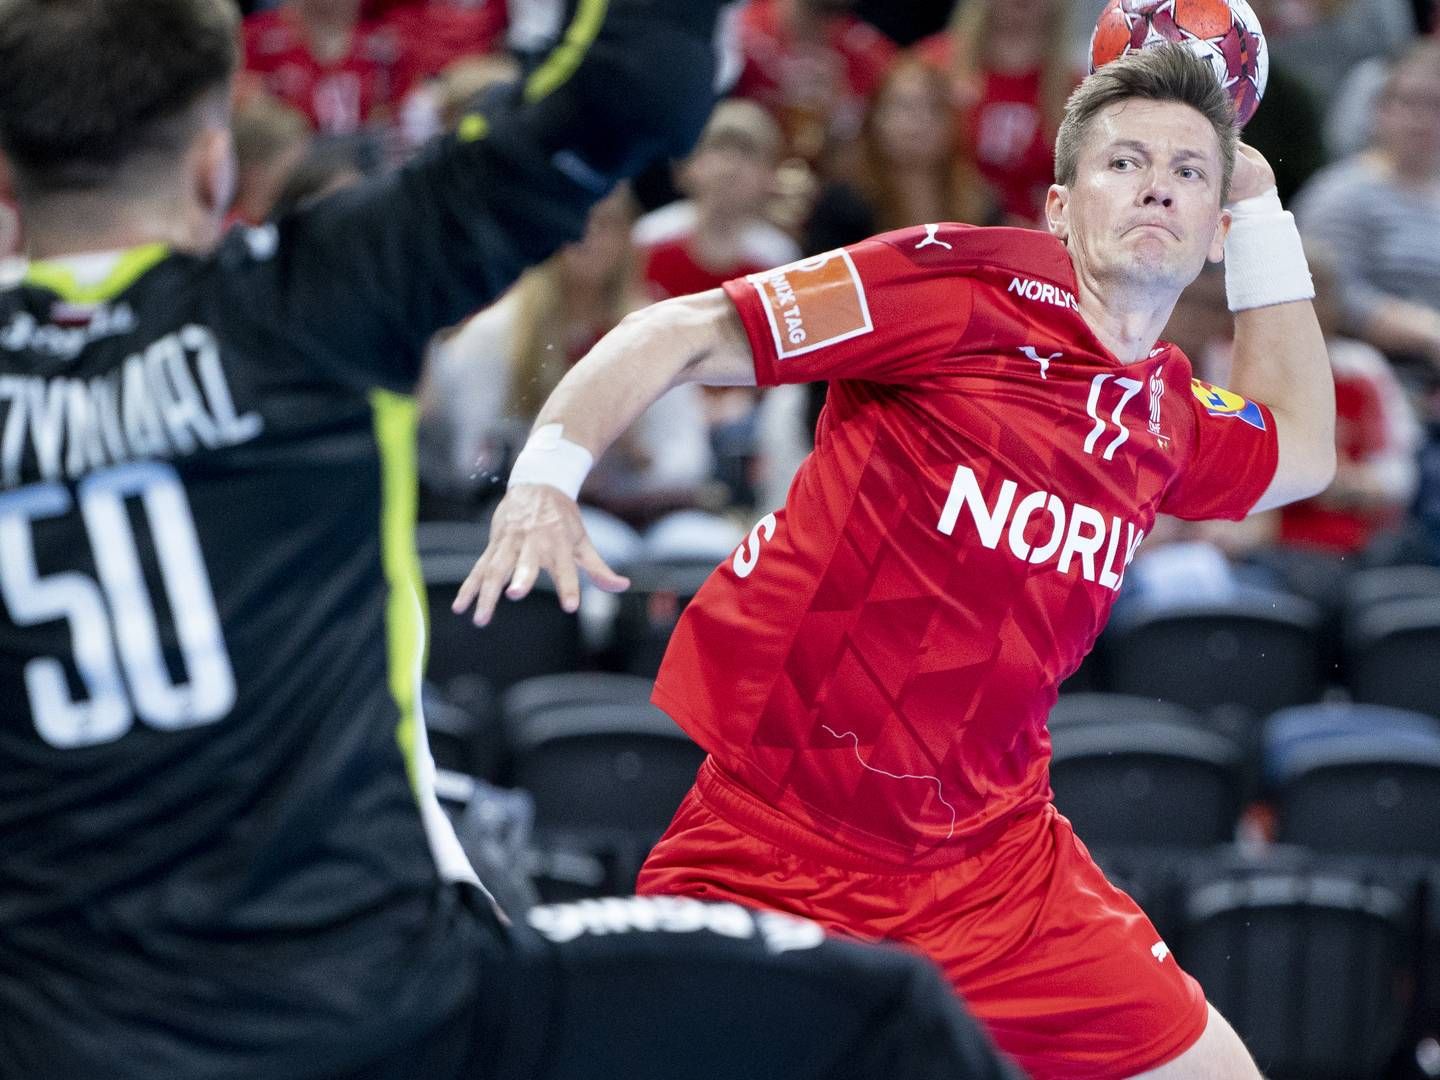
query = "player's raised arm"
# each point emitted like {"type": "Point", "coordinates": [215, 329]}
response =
{"type": "Point", "coordinates": [1280, 355]}
{"type": "Point", "coordinates": [537, 525]}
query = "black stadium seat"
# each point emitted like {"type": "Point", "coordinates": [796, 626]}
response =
{"type": "Point", "coordinates": [1312, 970]}
{"type": "Point", "coordinates": [606, 780]}
{"type": "Point", "coordinates": [1391, 651]}
{"type": "Point", "coordinates": [1099, 708]}
{"type": "Point", "coordinates": [545, 692]}
{"type": "Point", "coordinates": [1300, 728]}
{"type": "Point", "coordinates": [528, 637]}
{"type": "Point", "coordinates": [1381, 584]}
{"type": "Point", "coordinates": [1147, 782]}
{"type": "Point", "coordinates": [1255, 652]}
{"type": "Point", "coordinates": [1374, 793]}
{"type": "Point", "coordinates": [649, 609]}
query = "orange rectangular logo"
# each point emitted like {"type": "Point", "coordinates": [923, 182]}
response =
{"type": "Point", "coordinates": [813, 303]}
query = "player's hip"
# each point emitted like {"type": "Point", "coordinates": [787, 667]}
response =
{"type": "Point", "coordinates": [1065, 970]}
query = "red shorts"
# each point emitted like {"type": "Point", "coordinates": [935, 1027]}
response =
{"type": "Point", "coordinates": [1063, 968]}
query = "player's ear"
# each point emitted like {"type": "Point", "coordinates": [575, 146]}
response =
{"type": "Point", "coordinates": [1057, 211]}
{"type": "Point", "coordinates": [1217, 244]}
{"type": "Point", "coordinates": [214, 175]}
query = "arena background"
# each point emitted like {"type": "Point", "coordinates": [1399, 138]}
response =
{"type": "Point", "coordinates": [1253, 749]}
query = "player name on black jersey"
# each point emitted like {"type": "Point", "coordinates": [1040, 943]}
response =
{"type": "Point", "coordinates": [167, 400]}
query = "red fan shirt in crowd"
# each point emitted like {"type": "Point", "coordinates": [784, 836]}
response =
{"type": "Point", "coordinates": [387, 56]}
{"type": "Point", "coordinates": [1014, 153]}
{"type": "Point", "coordinates": [815, 91]}
{"type": "Point", "coordinates": [1376, 429]}
{"type": "Point", "coordinates": [671, 269]}
{"type": "Point", "coordinates": [878, 659]}
{"type": "Point", "coordinates": [437, 34]}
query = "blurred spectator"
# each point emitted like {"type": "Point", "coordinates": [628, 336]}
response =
{"type": "Point", "coordinates": [905, 23]}
{"type": "Point", "coordinates": [271, 139]}
{"type": "Point", "coordinates": [345, 68]}
{"type": "Point", "coordinates": [1319, 40]}
{"type": "Point", "coordinates": [438, 33]}
{"type": "Point", "coordinates": [322, 58]}
{"type": "Point", "coordinates": [813, 65]}
{"type": "Point", "coordinates": [486, 382]}
{"type": "Point", "coordinates": [9, 227]}
{"type": "Point", "coordinates": [330, 166]}
{"type": "Point", "coordinates": [1202, 326]}
{"type": "Point", "coordinates": [907, 170]}
{"type": "Point", "coordinates": [720, 232]}
{"type": "Point", "coordinates": [1380, 212]}
{"type": "Point", "coordinates": [1377, 438]}
{"type": "Point", "coordinates": [1289, 130]}
{"type": "Point", "coordinates": [1011, 69]}
{"type": "Point", "coordinates": [438, 104]}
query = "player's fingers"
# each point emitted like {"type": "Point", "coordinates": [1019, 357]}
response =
{"type": "Point", "coordinates": [470, 587]}
{"type": "Point", "coordinates": [489, 595]}
{"type": "Point", "coordinates": [527, 569]}
{"type": "Point", "coordinates": [491, 573]}
{"type": "Point", "coordinates": [567, 581]}
{"type": "Point", "coordinates": [600, 573]}
{"type": "Point", "coordinates": [495, 558]}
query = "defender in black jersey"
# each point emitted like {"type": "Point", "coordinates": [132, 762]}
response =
{"type": "Point", "coordinates": [218, 852]}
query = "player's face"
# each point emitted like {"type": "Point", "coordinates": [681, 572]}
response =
{"type": "Point", "coordinates": [1145, 206]}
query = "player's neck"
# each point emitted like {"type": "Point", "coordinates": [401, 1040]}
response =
{"type": "Point", "coordinates": [1127, 322]}
{"type": "Point", "coordinates": [76, 224]}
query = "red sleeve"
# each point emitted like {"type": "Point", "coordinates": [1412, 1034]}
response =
{"type": "Point", "coordinates": [889, 309]}
{"type": "Point", "coordinates": [1233, 454]}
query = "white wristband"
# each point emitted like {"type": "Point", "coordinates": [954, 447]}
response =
{"type": "Point", "coordinates": [550, 458]}
{"type": "Point", "coordinates": [1264, 260]}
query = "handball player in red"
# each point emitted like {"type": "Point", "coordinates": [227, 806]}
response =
{"type": "Point", "coordinates": [872, 670]}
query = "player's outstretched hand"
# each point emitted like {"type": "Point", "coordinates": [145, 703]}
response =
{"type": "Point", "coordinates": [1253, 174]}
{"type": "Point", "coordinates": [536, 527]}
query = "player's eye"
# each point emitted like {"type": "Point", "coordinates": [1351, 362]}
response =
{"type": "Point", "coordinates": [1122, 164]}
{"type": "Point", "coordinates": [1187, 172]}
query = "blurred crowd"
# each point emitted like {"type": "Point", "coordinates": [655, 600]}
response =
{"type": "Point", "coordinates": [849, 119]}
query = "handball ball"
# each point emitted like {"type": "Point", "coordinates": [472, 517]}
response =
{"type": "Point", "coordinates": [1226, 35]}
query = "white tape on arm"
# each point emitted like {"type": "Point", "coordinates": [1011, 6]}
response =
{"type": "Point", "coordinates": [550, 458]}
{"type": "Point", "coordinates": [1264, 260]}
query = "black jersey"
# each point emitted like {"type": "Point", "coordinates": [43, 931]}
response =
{"type": "Point", "coordinates": [212, 855]}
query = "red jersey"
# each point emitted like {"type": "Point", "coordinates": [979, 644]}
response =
{"type": "Point", "coordinates": [878, 658]}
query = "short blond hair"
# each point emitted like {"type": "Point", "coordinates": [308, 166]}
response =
{"type": "Point", "coordinates": [1159, 73]}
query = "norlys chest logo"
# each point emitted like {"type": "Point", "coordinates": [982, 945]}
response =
{"type": "Point", "coordinates": [1044, 293]}
{"type": "Point", "coordinates": [1069, 535]}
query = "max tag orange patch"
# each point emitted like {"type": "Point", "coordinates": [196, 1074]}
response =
{"type": "Point", "coordinates": [813, 303]}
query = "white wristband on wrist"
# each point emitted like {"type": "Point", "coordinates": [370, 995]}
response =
{"type": "Point", "coordinates": [550, 458]}
{"type": "Point", "coordinates": [1264, 260]}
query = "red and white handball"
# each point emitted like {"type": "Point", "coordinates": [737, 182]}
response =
{"type": "Point", "coordinates": [1224, 33]}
